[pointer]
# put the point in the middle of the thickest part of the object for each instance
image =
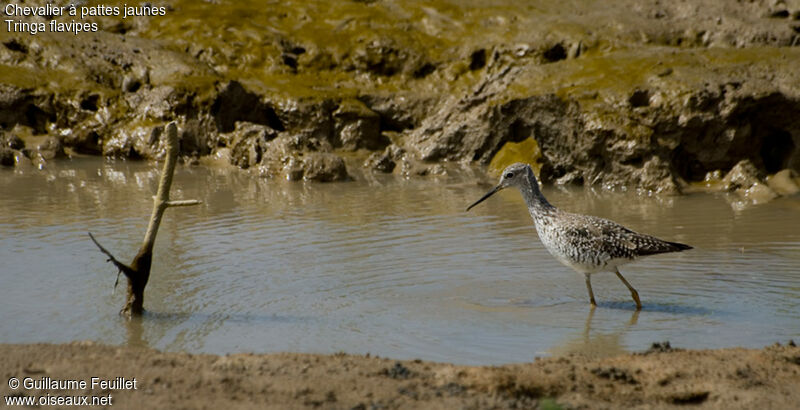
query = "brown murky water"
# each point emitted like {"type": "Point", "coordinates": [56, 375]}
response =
{"type": "Point", "coordinates": [383, 265]}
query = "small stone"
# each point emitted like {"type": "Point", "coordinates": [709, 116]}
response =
{"type": "Point", "coordinates": [713, 178]}
{"type": "Point", "coordinates": [783, 183]}
{"type": "Point", "coordinates": [12, 141]}
{"type": "Point", "coordinates": [380, 162]}
{"type": "Point", "coordinates": [309, 166]}
{"type": "Point", "coordinates": [437, 170]}
{"type": "Point", "coordinates": [249, 142]}
{"type": "Point", "coordinates": [395, 152]}
{"type": "Point", "coordinates": [356, 126]}
{"type": "Point", "coordinates": [135, 141]}
{"type": "Point", "coordinates": [22, 160]}
{"type": "Point", "coordinates": [324, 167]}
{"type": "Point", "coordinates": [743, 175]}
{"type": "Point", "coordinates": [758, 193]}
{"type": "Point", "coordinates": [51, 148]}
{"type": "Point", "coordinates": [293, 169]}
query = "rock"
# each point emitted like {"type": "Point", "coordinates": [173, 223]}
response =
{"type": "Point", "coordinates": [745, 180]}
{"type": "Point", "coordinates": [22, 159]}
{"type": "Point", "coordinates": [395, 152]}
{"type": "Point", "coordinates": [85, 138]}
{"type": "Point", "coordinates": [655, 176]}
{"type": "Point", "coordinates": [197, 136]}
{"type": "Point", "coordinates": [742, 176]}
{"type": "Point", "coordinates": [437, 170]}
{"type": "Point", "coordinates": [380, 161]}
{"type": "Point", "coordinates": [315, 166]}
{"type": "Point", "coordinates": [298, 156]}
{"type": "Point", "coordinates": [12, 141]}
{"type": "Point", "coordinates": [783, 183]}
{"type": "Point", "coordinates": [12, 150]}
{"type": "Point", "coordinates": [713, 178]}
{"type": "Point", "coordinates": [758, 193]}
{"type": "Point", "coordinates": [156, 103]}
{"type": "Point", "coordinates": [356, 126]}
{"type": "Point", "coordinates": [50, 149]}
{"type": "Point", "coordinates": [467, 129]}
{"type": "Point", "coordinates": [249, 142]}
{"type": "Point", "coordinates": [136, 141]}
{"type": "Point", "coordinates": [310, 119]}
{"type": "Point", "coordinates": [324, 167]}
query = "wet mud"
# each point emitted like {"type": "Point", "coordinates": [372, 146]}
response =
{"type": "Point", "coordinates": [663, 97]}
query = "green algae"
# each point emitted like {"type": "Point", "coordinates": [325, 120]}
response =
{"type": "Point", "coordinates": [332, 50]}
{"type": "Point", "coordinates": [599, 77]}
{"type": "Point", "coordinates": [526, 151]}
{"type": "Point", "coordinates": [339, 49]}
{"type": "Point", "coordinates": [25, 77]}
{"type": "Point", "coordinates": [334, 43]}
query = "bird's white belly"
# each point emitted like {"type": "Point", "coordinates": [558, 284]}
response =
{"type": "Point", "coordinates": [606, 266]}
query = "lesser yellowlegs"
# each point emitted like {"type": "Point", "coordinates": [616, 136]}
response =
{"type": "Point", "coordinates": [585, 243]}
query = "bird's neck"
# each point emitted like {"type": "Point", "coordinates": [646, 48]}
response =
{"type": "Point", "coordinates": [534, 199]}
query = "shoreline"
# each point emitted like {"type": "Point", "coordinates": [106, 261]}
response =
{"type": "Point", "coordinates": [662, 377]}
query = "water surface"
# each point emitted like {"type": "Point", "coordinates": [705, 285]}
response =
{"type": "Point", "coordinates": [382, 265]}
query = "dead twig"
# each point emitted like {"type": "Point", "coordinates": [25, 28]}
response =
{"type": "Point", "coordinates": [138, 272]}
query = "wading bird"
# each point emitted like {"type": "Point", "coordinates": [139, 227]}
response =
{"type": "Point", "coordinates": [585, 243]}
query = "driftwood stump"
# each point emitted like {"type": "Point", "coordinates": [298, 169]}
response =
{"type": "Point", "coordinates": [138, 272]}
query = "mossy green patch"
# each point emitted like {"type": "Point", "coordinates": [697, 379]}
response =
{"type": "Point", "coordinates": [611, 77]}
{"type": "Point", "coordinates": [30, 78]}
{"type": "Point", "coordinates": [526, 151]}
{"type": "Point", "coordinates": [549, 404]}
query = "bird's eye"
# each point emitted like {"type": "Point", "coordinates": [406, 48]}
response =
{"type": "Point", "coordinates": [510, 175]}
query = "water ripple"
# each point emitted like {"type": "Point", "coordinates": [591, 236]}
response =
{"type": "Point", "coordinates": [396, 268]}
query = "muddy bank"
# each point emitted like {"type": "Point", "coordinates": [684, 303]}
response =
{"type": "Point", "coordinates": [660, 96]}
{"type": "Point", "coordinates": [662, 377]}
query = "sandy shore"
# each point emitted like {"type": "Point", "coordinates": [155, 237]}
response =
{"type": "Point", "coordinates": [660, 378]}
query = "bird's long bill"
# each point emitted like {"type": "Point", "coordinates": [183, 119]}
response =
{"type": "Point", "coordinates": [483, 198]}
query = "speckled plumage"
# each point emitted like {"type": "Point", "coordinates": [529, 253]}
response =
{"type": "Point", "coordinates": [590, 244]}
{"type": "Point", "coordinates": [587, 244]}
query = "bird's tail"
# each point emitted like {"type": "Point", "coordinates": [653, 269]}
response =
{"type": "Point", "coordinates": [680, 246]}
{"type": "Point", "coordinates": [659, 246]}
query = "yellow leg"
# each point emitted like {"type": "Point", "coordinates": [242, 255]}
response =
{"type": "Point", "coordinates": [589, 288]}
{"type": "Point", "coordinates": [634, 293]}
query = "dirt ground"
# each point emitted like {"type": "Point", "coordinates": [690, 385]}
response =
{"type": "Point", "coordinates": [662, 377]}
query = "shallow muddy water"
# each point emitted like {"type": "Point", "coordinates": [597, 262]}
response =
{"type": "Point", "coordinates": [382, 265]}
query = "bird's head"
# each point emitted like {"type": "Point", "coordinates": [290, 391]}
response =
{"type": "Point", "coordinates": [514, 175]}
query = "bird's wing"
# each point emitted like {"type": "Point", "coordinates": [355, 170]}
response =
{"type": "Point", "coordinates": [603, 235]}
{"type": "Point", "coordinates": [638, 244]}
